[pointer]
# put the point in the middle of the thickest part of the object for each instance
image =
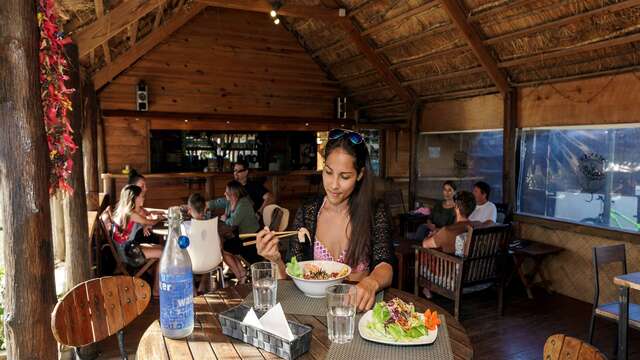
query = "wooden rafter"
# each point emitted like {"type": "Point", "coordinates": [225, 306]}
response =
{"type": "Point", "coordinates": [133, 33]}
{"type": "Point", "coordinates": [378, 63]}
{"type": "Point", "coordinates": [382, 104]}
{"type": "Point", "coordinates": [118, 19]}
{"type": "Point", "coordinates": [122, 62]}
{"type": "Point", "coordinates": [159, 13]}
{"type": "Point", "coordinates": [476, 16]}
{"type": "Point", "coordinates": [563, 21]}
{"type": "Point", "coordinates": [400, 18]}
{"type": "Point", "coordinates": [423, 59]}
{"type": "Point", "coordinates": [460, 94]}
{"type": "Point", "coordinates": [263, 6]}
{"type": "Point", "coordinates": [105, 46]}
{"type": "Point", "coordinates": [562, 52]}
{"type": "Point", "coordinates": [451, 75]}
{"type": "Point", "coordinates": [459, 18]}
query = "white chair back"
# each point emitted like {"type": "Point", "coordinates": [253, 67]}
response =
{"type": "Point", "coordinates": [205, 247]}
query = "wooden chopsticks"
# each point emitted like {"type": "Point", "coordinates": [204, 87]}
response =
{"type": "Point", "coordinates": [279, 234]}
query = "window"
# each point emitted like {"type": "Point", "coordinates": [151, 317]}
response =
{"type": "Point", "coordinates": [584, 175]}
{"type": "Point", "coordinates": [465, 158]}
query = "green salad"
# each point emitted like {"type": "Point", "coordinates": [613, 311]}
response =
{"type": "Point", "coordinates": [294, 269]}
{"type": "Point", "coordinates": [397, 320]}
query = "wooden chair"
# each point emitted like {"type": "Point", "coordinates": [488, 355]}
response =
{"type": "Point", "coordinates": [448, 275]}
{"type": "Point", "coordinates": [394, 202]}
{"type": "Point", "coordinates": [109, 245]}
{"type": "Point", "coordinates": [602, 256]}
{"type": "Point", "coordinates": [98, 308]}
{"type": "Point", "coordinates": [97, 237]}
{"type": "Point", "coordinates": [560, 346]}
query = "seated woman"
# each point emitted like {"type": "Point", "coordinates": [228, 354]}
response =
{"type": "Point", "coordinates": [128, 221]}
{"type": "Point", "coordinates": [238, 213]}
{"type": "Point", "coordinates": [442, 213]}
{"type": "Point", "coordinates": [346, 224]}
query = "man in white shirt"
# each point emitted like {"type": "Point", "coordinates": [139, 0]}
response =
{"type": "Point", "coordinates": [485, 211]}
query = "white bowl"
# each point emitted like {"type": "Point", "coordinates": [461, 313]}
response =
{"type": "Point", "coordinates": [318, 288]}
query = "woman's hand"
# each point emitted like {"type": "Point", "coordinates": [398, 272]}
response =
{"type": "Point", "coordinates": [146, 230]}
{"type": "Point", "coordinates": [366, 293]}
{"type": "Point", "coordinates": [267, 245]}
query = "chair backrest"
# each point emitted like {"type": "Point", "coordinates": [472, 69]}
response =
{"type": "Point", "coordinates": [95, 309]}
{"type": "Point", "coordinates": [603, 255]}
{"type": "Point", "coordinates": [394, 201]}
{"type": "Point", "coordinates": [276, 217]}
{"type": "Point", "coordinates": [205, 246]}
{"type": "Point", "coordinates": [560, 346]}
{"type": "Point", "coordinates": [503, 215]}
{"type": "Point", "coordinates": [483, 252]}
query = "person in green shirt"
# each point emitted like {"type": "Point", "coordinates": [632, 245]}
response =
{"type": "Point", "coordinates": [238, 213]}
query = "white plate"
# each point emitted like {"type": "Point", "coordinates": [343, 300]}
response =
{"type": "Point", "coordinates": [372, 336]}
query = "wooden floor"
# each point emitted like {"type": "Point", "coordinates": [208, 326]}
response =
{"type": "Point", "coordinates": [518, 335]}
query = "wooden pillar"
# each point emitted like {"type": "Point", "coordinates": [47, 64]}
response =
{"type": "Point", "coordinates": [24, 189]}
{"type": "Point", "coordinates": [89, 144]}
{"type": "Point", "coordinates": [509, 171]}
{"type": "Point", "coordinates": [75, 206]}
{"type": "Point", "coordinates": [101, 150]}
{"type": "Point", "coordinates": [414, 118]}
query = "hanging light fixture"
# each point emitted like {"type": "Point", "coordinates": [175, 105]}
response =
{"type": "Point", "coordinates": [274, 12]}
{"type": "Point", "coordinates": [276, 21]}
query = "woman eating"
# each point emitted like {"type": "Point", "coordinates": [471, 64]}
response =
{"type": "Point", "coordinates": [346, 225]}
{"type": "Point", "coordinates": [128, 220]}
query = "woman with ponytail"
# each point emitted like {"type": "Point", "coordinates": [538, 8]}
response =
{"type": "Point", "coordinates": [346, 224]}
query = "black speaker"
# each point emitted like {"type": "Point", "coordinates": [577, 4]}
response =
{"type": "Point", "coordinates": [341, 107]}
{"type": "Point", "coordinates": [142, 96]}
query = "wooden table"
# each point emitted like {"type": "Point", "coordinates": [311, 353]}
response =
{"type": "Point", "coordinates": [625, 282]}
{"type": "Point", "coordinates": [208, 342]}
{"type": "Point", "coordinates": [537, 252]}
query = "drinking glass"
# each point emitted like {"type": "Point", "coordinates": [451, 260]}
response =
{"type": "Point", "coordinates": [341, 312]}
{"type": "Point", "coordinates": [265, 285]}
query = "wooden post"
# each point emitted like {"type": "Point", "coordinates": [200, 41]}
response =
{"type": "Point", "coordinates": [89, 144]}
{"type": "Point", "coordinates": [24, 182]}
{"type": "Point", "coordinates": [414, 118]}
{"type": "Point", "coordinates": [509, 172]}
{"type": "Point", "coordinates": [102, 159]}
{"type": "Point", "coordinates": [75, 207]}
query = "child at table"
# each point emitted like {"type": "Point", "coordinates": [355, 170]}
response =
{"type": "Point", "coordinates": [197, 209]}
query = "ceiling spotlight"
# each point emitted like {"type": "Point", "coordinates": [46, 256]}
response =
{"type": "Point", "coordinates": [276, 21]}
{"type": "Point", "coordinates": [273, 13]}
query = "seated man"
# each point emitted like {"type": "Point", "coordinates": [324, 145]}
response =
{"type": "Point", "coordinates": [451, 238]}
{"type": "Point", "coordinates": [485, 211]}
{"type": "Point", "coordinates": [258, 193]}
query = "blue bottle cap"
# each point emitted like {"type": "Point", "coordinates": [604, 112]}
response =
{"type": "Point", "coordinates": [183, 242]}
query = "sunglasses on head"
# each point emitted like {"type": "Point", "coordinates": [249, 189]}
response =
{"type": "Point", "coordinates": [354, 137]}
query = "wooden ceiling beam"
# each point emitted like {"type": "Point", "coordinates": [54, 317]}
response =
{"type": "Point", "coordinates": [446, 76]}
{"type": "Point", "coordinates": [105, 27]}
{"type": "Point", "coordinates": [423, 59]}
{"type": "Point", "coordinates": [563, 21]}
{"type": "Point", "coordinates": [404, 16]}
{"type": "Point", "coordinates": [378, 63]}
{"type": "Point", "coordinates": [381, 104]}
{"type": "Point", "coordinates": [263, 6]}
{"type": "Point", "coordinates": [459, 18]}
{"type": "Point", "coordinates": [556, 53]}
{"type": "Point", "coordinates": [460, 94]}
{"type": "Point", "coordinates": [159, 13]}
{"type": "Point", "coordinates": [122, 62]}
{"type": "Point", "coordinates": [476, 15]}
{"type": "Point", "coordinates": [133, 33]}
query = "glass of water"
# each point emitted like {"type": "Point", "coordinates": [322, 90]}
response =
{"type": "Point", "coordinates": [341, 312]}
{"type": "Point", "coordinates": [265, 285]}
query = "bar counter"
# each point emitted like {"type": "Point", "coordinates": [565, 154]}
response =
{"type": "Point", "coordinates": [168, 189]}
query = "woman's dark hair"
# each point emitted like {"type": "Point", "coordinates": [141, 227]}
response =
{"type": "Point", "coordinates": [134, 176]}
{"type": "Point", "coordinates": [361, 200]}
{"type": "Point", "coordinates": [465, 202]}
{"type": "Point", "coordinates": [237, 188]}
{"type": "Point", "coordinates": [450, 183]}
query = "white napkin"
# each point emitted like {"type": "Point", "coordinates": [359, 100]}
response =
{"type": "Point", "coordinates": [272, 321]}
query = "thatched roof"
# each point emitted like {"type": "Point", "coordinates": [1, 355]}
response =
{"type": "Point", "coordinates": [427, 51]}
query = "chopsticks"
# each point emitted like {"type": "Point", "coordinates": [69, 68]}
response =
{"type": "Point", "coordinates": [279, 234]}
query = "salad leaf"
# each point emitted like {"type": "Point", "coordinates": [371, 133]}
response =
{"type": "Point", "coordinates": [294, 269]}
{"type": "Point", "coordinates": [381, 313]}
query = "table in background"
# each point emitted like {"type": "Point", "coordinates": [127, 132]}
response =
{"type": "Point", "coordinates": [208, 342]}
{"type": "Point", "coordinates": [537, 252]}
{"type": "Point", "coordinates": [625, 282]}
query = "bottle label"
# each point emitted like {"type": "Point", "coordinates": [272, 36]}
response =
{"type": "Point", "coordinates": [176, 301]}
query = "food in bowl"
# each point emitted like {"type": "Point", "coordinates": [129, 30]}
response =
{"type": "Point", "coordinates": [313, 277]}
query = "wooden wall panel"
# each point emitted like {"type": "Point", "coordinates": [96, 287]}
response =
{"type": "Point", "coordinates": [228, 62]}
{"type": "Point", "coordinates": [602, 100]}
{"type": "Point", "coordinates": [477, 113]}
{"type": "Point", "coordinates": [126, 142]}
{"type": "Point", "coordinates": [571, 272]}
{"type": "Point", "coordinates": [397, 151]}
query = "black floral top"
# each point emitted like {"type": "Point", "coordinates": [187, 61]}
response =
{"type": "Point", "coordinates": [307, 217]}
